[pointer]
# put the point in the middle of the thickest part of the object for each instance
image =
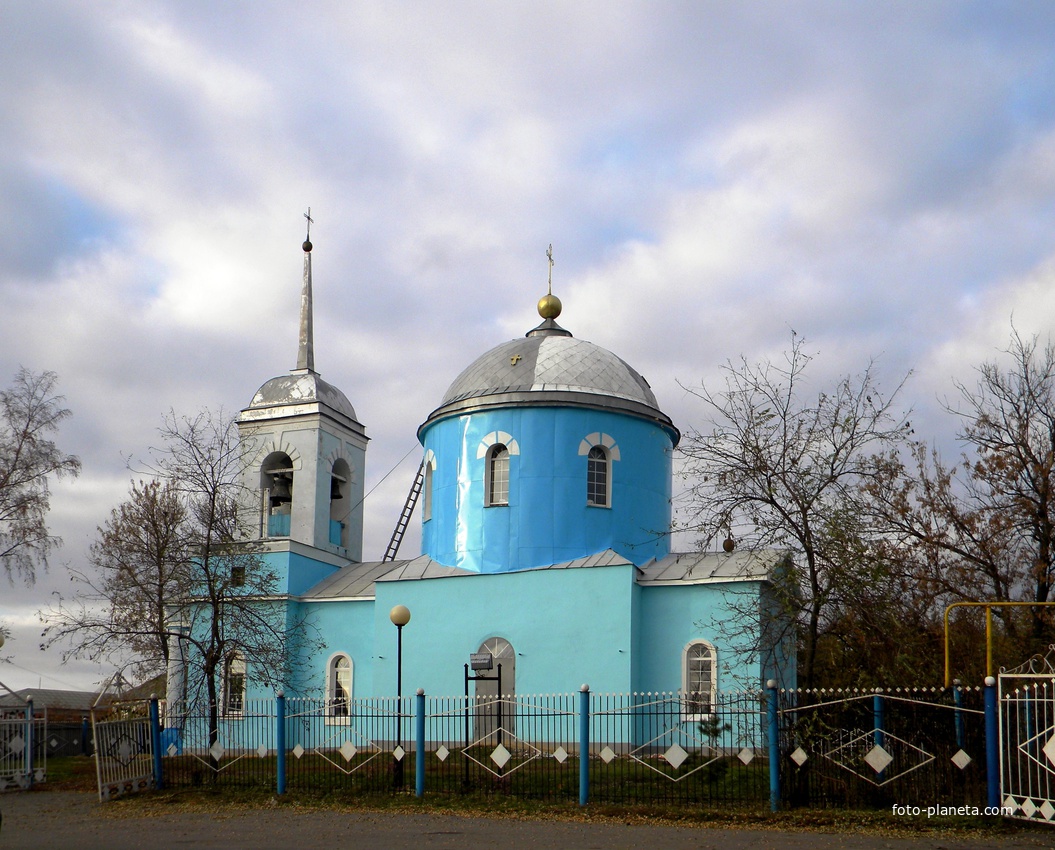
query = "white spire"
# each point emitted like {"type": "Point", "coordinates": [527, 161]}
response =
{"type": "Point", "coordinates": [306, 350]}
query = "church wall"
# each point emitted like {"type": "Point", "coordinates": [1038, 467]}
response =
{"type": "Point", "coordinates": [567, 627]}
{"type": "Point", "coordinates": [547, 520]}
{"type": "Point", "coordinates": [346, 626]}
{"type": "Point", "coordinates": [300, 572]}
{"type": "Point", "coordinates": [726, 615]}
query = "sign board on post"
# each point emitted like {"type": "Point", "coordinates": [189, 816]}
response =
{"type": "Point", "coordinates": [481, 660]}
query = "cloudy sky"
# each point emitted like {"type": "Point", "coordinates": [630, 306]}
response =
{"type": "Point", "coordinates": [879, 177]}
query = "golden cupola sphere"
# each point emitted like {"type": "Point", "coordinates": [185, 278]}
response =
{"type": "Point", "coordinates": [549, 306]}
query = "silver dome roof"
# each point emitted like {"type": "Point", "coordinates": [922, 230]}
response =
{"type": "Point", "coordinates": [550, 367]}
{"type": "Point", "coordinates": [301, 387]}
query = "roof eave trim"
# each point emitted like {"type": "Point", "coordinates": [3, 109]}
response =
{"type": "Point", "coordinates": [552, 398]}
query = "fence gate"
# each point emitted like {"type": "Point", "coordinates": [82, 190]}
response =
{"type": "Point", "coordinates": [22, 749]}
{"type": "Point", "coordinates": [1027, 739]}
{"type": "Point", "coordinates": [124, 756]}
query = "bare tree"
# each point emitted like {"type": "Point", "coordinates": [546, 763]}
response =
{"type": "Point", "coordinates": [983, 529]}
{"type": "Point", "coordinates": [29, 413]}
{"type": "Point", "coordinates": [141, 577]}
{"type": "Point", "coordinates": [179, 569]}
{"type": "Point", "coordinates": [780, 470]}
{"type": "Point", "coordinates": [234, 610]}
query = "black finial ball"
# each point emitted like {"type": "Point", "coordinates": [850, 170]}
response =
{"type": "Point", "coordinates": [306, 246]}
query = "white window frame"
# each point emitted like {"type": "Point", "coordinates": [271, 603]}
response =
{"type": "Point", "coordinates": [426, 490]}
{"type": "Point", "coordinates": [690, 706]}
{"type": "Point", "coordinates": [605, 460]}
{"type": "Point", "coordinates": [333, 717]}
{"type": "Point", "coordinates": [497, 452]}
{"type": "Point", "coordinates": [234, 666]}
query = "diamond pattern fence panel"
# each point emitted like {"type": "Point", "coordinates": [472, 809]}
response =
{"type": "Point", "coordinates": [520, 746]}
{"type": "Point", "coordinates": [206, 749]}
{"type": "Point", "coordinates": [652, 747]}
{"type": "Point", "coordinates": [364, 746]}
{"type": "Point", "coordinates": [124, 753]}
{"type": "Point", "coordinates": [869, 749]}
{"type": "Point", "coordinates": [23, 749]}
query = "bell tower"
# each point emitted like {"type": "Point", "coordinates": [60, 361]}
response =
{"type": "Point", "coordinates": [308, 453]}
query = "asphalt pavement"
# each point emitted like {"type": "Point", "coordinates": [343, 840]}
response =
{"type": "Point", "coordinates": [74, 820]}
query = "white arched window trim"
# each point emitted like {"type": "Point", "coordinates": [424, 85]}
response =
{"type": "Point", "coordinates": [699, 680]}
{"type": "Point", "coordinates": [340, 681]}
{"type": "Point", "coordinates": [598, 478]}
{"type": "Point", "coordinates": [234, 685]}
{"type": "Point", "coordinates": [596, 474]}
{"type": "Point", "coordinates": [496, 476]}
{"type": "Point", "coordinates": [426, 486]}
{"type": "Point", "coordinates": [487, 451]}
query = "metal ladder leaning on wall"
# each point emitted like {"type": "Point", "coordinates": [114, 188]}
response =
{"type": "Point", "coordinates": [404, 517]}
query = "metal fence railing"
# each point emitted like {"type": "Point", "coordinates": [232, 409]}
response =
{"type": "Point", "coordinates": [754, 750]}
{"type": "Point", "coordinates": [124, 748]}
{"type": "Point", "coordinates": [876, 749]}
{"type": "Point", "coordinates": [23, 747]}
{"type": "Point", "coordinates": [663, 752]}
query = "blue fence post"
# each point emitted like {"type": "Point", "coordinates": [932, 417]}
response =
{"type": "Point", "coordinates": [773, 712]}
{"type": "Point", "coordinates": [957, 699]}
{"type": "Point", "coordinates": [584, 745]}
{"type": "Point", "coordinates": [155, 742]}
{"type": "Point", "coordinates": [419, 743]}
{"type": "Point", "coordinates": [29, 742]}
{"type": "Point", "coordinates": [992, 744]}
{"type": "Point", "coordinates": [877, 722]}
{"type": "Point", "coordinates": [280, 741]}
{"type": "Point", "coordinates": [85, 737]}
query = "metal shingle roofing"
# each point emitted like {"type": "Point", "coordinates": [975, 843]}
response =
{"type": "Point", "coordinates": [357, 581]}
{"type": "Point", "coordinates": [704, 567]}
{"type": "Point", "coordinates": [558, 363]}
{"type": "Point", "coordinates": [301, 387]}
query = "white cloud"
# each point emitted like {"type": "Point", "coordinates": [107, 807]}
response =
{"type": "Point", "coordinates": [711, 176]}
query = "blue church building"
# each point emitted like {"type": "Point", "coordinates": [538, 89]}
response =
{"type": "Point", "coordinates": [544, 496]}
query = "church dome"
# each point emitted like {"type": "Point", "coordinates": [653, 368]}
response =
{"type": "Point", "coordinates": [549, 367]}
{"type": "Point", "coordinates": [302, 387]}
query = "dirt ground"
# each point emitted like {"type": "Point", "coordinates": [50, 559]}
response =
{"type": "Point", "coordinates": [73, 820]}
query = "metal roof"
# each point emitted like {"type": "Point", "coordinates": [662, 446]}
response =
{"type": "Point", "coordinates": [549, 365]}
{"type": "Point", "coordinates": [55, 700]}
{"type": "Point", "coordinates": [301, 387]}
{"type": "Point", "coordinates": [357, 581]}
{"type": "Point", "coordinates": [704, 567]}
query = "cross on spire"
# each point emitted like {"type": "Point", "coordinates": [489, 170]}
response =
{"type": "Point", "coordinates": [311, 221]}
{"type": "Point", "coordinates": [549, 255]}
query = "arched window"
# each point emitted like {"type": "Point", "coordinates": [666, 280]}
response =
{"type": "Point", "coordinates": [234, 685]}
{"type": "Point", "coordinates": [496, 710]}
{"type": "Point", "coordinates": [597, 468]}
{"type": "Point", "coordinates": [426, 492]}
{"type": "Point", "coordinates": [699, 681]}
{"type": "Point", "coordinates": [276, 481]}
{"type": "Point", "coordinates": [339, 686]}
{"type": "Point", "coordinates": [497, 484]}
{"type": "Point", "coordinates": [339, 506]}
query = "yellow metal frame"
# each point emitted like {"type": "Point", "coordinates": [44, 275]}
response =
{"type": "Point", "coordinates": [989, 606]}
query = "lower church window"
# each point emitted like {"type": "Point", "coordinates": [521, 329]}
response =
{"type": "Point", "coordinates": [699, 680]}
{"type": "Point", "coordinates": [234, 686]}
{"type": "Point", "coordinates": [339, 687]}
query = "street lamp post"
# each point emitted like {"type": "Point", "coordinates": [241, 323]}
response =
{"type": "Point", "coordinates": [400, 616]}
